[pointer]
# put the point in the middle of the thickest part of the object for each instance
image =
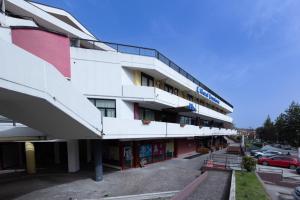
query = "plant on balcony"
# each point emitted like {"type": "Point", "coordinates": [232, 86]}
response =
{"type": "Point", "coordinates": [182, 125]}
{"type": "Point", "coordinates": [146, 121]}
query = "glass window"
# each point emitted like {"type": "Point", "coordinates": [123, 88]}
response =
{"type": "Point", "coordinates": [147, 114]}
{"type": "Point", "coordinates": [176, 91]}
{"type": "Point", "coordinates": [169, 88]}
{"type": "Point", "coordinates": [106, 106]}
{"type": "Point", "coordinates": [147, 80]}
{"type": "Point", "coordinates": [144, 81]}
{"type": "Point", "coordinates": [185, 120]}
{"type": "Point", "coordinates": [190, 97]}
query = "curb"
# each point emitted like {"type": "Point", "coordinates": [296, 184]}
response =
{"type": "Point", "coordinates": [232, 186]}
{"type": "Point", "coordinates": [263, 184]}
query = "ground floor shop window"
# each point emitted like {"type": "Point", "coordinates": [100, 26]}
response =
{"type": "Point", "coordinates": [170, 150]}
{"type": "Point", "coordinates": [127, 157]}
{"type": "Point", "coordinates": [145, 153]}
{"type": "Point", "coordinates": [159, 150]}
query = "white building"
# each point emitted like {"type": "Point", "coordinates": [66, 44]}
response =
{"type": "Point", "coordinates": [73, 90]}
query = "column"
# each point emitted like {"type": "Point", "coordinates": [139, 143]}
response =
{"type": "Point", "coordinates": [56, 153]}
{"type": "Point", "coordinates": [73, 156]}
{"type": "Point", "coordinates": [30, 158]}
{"type": "Point", "coordinates": [98, 160]}
{"type": "Point", "coordinates": [88, 151]}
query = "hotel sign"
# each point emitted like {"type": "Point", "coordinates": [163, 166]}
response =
{"type": "Point", "coordinates": [207, 95]}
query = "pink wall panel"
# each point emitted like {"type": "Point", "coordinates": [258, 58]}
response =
{"type": "Point", "coordinates": [51, 47]}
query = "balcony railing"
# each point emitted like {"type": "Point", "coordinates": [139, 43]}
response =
{"type": "Point", "coordinates": [116, 128]}
{"type": "Point", "coordinates": [142, 51]}
{"type": "Point", "coordinates": [166, 98]}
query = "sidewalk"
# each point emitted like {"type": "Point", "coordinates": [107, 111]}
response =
{"type": "Point", "coordinates": [164, 176]}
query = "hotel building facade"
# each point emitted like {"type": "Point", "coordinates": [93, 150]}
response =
{"type": "Point", "coordinates": [68, 99]}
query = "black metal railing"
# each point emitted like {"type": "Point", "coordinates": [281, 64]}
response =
{"type": "Point", "coordinates": [4, 120]}
{"type": "Point", "coordinates": [142, 51]}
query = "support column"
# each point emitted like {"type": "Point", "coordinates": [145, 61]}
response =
{"type": "Point", "coordinates": [88, 151]}
{"type": "Point", "coordinates": [73, 156]}
{"type": "Point", "coordinates": [30, 158]}
{"type": "Point", "coordinates": [56, 153]}
{"type": "Point", "coordinates": [98, 160]}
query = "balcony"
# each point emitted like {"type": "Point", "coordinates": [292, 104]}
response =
{"type": "Point", "coordinates": [115, 128]}
{"type": "Point", "coordinates": [152, 94]}
{"type": "Point", "coordinates": [149, 52]}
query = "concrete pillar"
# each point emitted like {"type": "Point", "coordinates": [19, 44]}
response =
{"type": "Point", "coordinates": [88, 151]}
{"type": "Point", "coordinates": [73, 156]}
{"type": "Point", "coordinates": [56, 153]}
{"type": "Point", "coordinates": [98, 160]}
{"type": "Point", "coordinates": [30, 158]}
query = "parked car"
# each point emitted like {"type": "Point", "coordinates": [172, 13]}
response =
{"type": "Point", "coordinates": [298, 170]}
{"type": "Point", "coordinates": [266, 153]}
{"type": "Point", "coordinates": [280, 161]}
{"type": "Point", "coordinates": [296, 193]}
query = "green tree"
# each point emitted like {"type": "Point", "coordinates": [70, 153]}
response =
{"type": "Point", "coordinates": [268, 132]}
{"type": "Point", "coordinates": [281, 124]}
{"type": "Point", "coordinates": [292, 134]}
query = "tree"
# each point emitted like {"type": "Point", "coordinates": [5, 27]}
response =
{"type": "Point", "coordinates": [268, 130]}
{"type": "Point", "coordinates": [292, 134]}
{"type": "Point", "coordinates": [281, 125]}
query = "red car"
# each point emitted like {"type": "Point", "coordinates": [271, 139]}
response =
{"type": "Point", "coordinates": [280, 161]}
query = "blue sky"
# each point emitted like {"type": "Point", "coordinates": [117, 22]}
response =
{"type": "Point", "coordinates": [248, 51]}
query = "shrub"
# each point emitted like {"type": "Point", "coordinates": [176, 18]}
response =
{"type": "Point", "coordinates": [249, 163]}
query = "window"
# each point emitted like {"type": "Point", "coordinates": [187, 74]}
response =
{"type": "Point", "coordinates": [185, 120]}
{"type": "Point", "coordinates": [169, 88]}
{"type": "Point", "coordinates": [147, 80]}
{"type": "Point", "coordinates": [176, 91]}
{"type": "Point", "coordinates": [147, 114]}
{"type": "Point", "coordinates": [190, 97]}
{"type": "Point", "coordinates": [106, 106]}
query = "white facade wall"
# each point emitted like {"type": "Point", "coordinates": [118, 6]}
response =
{"type": "Point", "coordinates": [31, 77]}
{"type": "Point", "coordinates": [5, 34]}
{"type": "Point", "coordinates": [102, 74]}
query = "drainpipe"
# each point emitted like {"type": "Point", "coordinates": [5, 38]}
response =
{"type": "Point", "coordinates": [102, 125]}
{"type": "Point", "coordinates": [3, 6]}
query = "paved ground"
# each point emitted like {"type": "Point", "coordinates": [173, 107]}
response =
{"type": "Point", "coordinates": [159, 177]}
{"type": "Point", "coordinates": [275, 191]}
{"type": "Point", "coordinates": [215, 187]}
{"type": "Point", "coordinates": [278, 181]}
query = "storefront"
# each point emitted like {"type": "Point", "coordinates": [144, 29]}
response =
{"type": "Point", "coordinates": [129, 154]}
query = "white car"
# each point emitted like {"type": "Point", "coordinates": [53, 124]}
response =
{"type": "Point", "coordinates": [266, 153]}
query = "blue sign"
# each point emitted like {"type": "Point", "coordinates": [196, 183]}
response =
{"type": "Point", "coordinates": [191, 107]}
{"type": "Point", "coordinates": [207, 95]}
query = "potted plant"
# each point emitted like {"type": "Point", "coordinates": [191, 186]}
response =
{"type": "Point", "coordinates": [146, 121]}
